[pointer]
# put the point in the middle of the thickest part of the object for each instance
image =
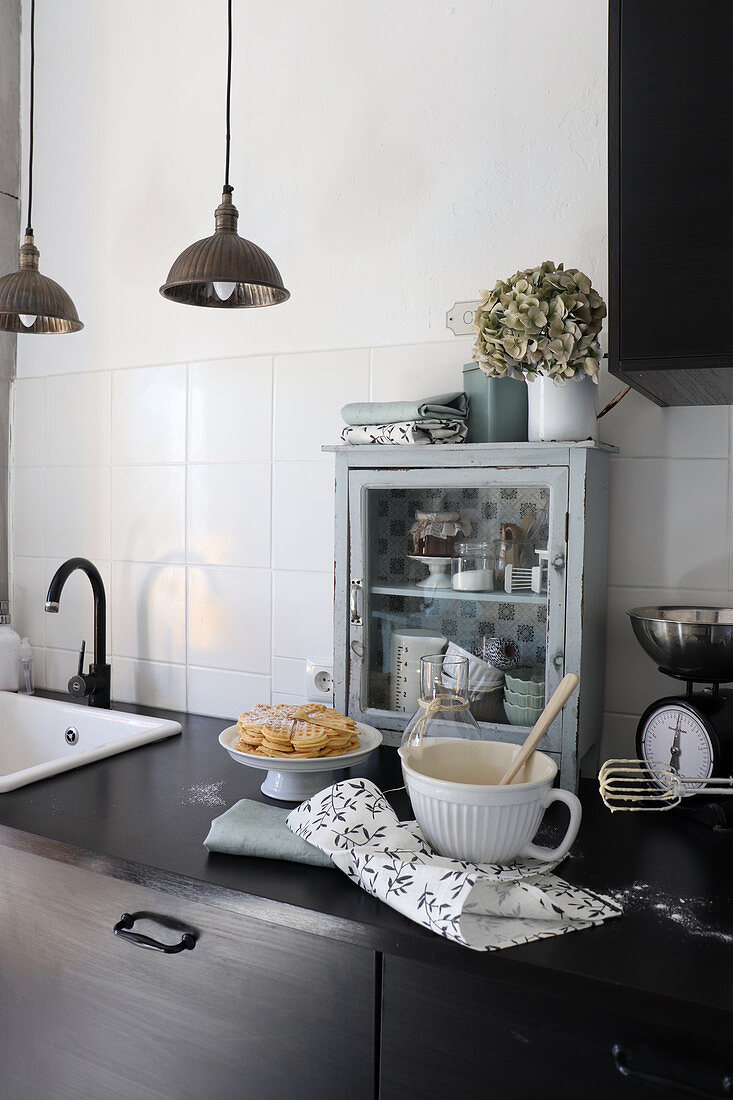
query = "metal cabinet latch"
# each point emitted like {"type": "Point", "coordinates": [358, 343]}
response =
{"type": "Point", "coordinates": [558, 561]}
{"type": "Point", "coordinates": [356, 619]}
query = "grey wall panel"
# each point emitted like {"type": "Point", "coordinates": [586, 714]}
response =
{"type": "Point", "coordinates": [9, 230]}
{"type": "Point", "coordinates": [9, 96]}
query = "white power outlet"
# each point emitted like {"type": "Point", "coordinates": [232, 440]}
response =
{"type": "Point", "coordinates": [318, 680]}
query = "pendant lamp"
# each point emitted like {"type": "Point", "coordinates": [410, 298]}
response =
{"type": "Point", "coordinates": [29, 301]}
{"type": "Point", "coordinates": [225, 271]}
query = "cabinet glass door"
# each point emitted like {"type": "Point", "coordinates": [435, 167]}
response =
{"type": "Point", "coordinates": [465, 558]}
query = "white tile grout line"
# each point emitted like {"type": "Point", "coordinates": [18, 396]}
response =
{"type": "Point", "coordinates": [255, 355]}
{"type": "Point", "coordinates": [10, 488]}
{"type": "Point", "coordinates": [110, 616]}
{"type": "Point", "coordinates": [186, 586]}
{"type": "Point", "coordinates": [44, 489]}
{"type": "Point", "coordinates": [272, 516]}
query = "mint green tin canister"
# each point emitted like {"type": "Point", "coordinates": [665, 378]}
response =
{"type": "Point", "coordinates": [497, 408]}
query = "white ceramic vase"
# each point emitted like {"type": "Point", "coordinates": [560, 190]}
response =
{"type": "Point", "coordinates": [561, 412]}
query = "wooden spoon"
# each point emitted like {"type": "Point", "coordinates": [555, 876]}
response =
{"type": "Point", "coordinates": [559, 698]}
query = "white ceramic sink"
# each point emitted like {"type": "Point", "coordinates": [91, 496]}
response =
{"type": "Point", "coordinates": [35, 735]}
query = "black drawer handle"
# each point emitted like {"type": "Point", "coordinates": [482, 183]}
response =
{"type": "Point", "coordinates": [127, 920]}
{"type": "Point", "coordinates": [622, 1055]}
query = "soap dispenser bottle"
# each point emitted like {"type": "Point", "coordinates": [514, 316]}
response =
{"type": "Point", "coordinates": [9, 650]}
{"type": "Point", "coordinates": [25, 668]}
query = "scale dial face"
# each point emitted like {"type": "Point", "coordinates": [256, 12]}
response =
{"type": "Point", "coordinates": [677, 736]}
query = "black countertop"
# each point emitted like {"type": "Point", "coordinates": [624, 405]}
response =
{"type": "Point", "coordinates": [143, 815]}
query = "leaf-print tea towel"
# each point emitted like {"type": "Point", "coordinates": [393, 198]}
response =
{"type": "Point", "coordinates": [484, 906]}
{"type": "Point", "coordinates": [407, 432]}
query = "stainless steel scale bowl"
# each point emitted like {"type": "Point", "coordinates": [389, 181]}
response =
{"type": "Point", "coordinates": [692, 731]}
{"type": "Point", "coordinates": [690, 643]}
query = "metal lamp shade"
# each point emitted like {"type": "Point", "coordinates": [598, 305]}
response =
{"type": "Point", "coordinates": [225, 258]}
{"type": "Point", "coordinates": [27, 293]}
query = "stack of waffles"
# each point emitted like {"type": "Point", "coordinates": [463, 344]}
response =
{"type": "Point", "coordinates": [296, 732]}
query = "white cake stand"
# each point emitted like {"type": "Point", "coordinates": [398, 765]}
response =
{"type": "Point", "coordinates": [439, 575]}
{"type": "Point", "coordinates": [293, 780]}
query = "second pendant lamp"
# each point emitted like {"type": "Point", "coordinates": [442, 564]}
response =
{"type": "Point", "coordinates": [30, 301]}
{"type": "Point", "coordinates": [225, 271]}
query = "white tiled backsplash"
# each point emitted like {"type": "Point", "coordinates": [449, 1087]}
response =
{"type": "Point", "coordinates": [201, 492]}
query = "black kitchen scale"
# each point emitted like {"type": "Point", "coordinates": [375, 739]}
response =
{"type": "Point", "coordinates": [692, 732]}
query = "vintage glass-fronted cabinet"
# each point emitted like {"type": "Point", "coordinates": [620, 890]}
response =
{"type": "Point", "coordinates": [404, 513]}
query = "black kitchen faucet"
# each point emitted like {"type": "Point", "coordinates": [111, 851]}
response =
{"type": "Point", "coordinates": [95, 684]}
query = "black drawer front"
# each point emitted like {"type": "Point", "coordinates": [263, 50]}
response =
{"type": "Point", "coordinates": [239, 1010]}
{"type": "Point", "coordinates": [447, 1035]}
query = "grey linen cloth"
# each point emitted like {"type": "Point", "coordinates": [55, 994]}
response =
{"type": "Point", "coordinates": [254, 829]}
{"type": "Point", "coordinates": [444, 406]}
{"type": "Point", "coordinates": [407, 432]}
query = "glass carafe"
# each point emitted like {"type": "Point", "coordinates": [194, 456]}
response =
{"type": "Point", "coordinates": [442, 710]}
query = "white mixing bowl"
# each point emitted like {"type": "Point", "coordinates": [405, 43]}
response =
{"type": "Point", "coordinates": [463, 812]}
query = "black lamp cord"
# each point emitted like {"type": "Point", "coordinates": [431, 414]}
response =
{"type": "Point", "coordinates": [227, 187]}
{"type": "Point", "coordinates": [29, 227]}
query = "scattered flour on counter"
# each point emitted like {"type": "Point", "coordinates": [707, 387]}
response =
{"type": "Point", "coordinates": [205, 794]}
{"type": "Point", "coordinates": [686, 913]}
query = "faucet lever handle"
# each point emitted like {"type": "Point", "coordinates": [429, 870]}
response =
{"type": "Point", "coordinates": [81, 657]}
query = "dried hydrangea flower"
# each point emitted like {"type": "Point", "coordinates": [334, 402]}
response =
{"type": "Point", "coordinates": [543, 321]}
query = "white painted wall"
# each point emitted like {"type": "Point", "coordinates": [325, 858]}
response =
{"type": "Point", "coordinates": [392, 156]}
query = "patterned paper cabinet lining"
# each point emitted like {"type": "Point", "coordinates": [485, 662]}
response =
{"type": "Point", "coordinates": [464, 621]}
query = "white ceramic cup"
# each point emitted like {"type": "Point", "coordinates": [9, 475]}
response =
{"type": "Point", "coordinates": [464, 813]}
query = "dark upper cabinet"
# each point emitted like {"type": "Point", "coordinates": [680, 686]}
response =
{"type": "Point", "coordinates": [671, 199]}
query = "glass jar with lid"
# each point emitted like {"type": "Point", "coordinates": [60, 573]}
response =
{"type": "Point", "coordinates": [472, 567]}
{"type": "Point", "coordinates": [433, 534]}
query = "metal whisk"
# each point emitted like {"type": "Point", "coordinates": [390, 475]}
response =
{"type": "Point", "coordinates": [635, 785]}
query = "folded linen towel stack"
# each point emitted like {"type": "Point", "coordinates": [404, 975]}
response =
{"type": "Point", "coordinates": [439, 419]}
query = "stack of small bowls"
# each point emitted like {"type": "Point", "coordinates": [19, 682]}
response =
{"type": "Point", "coordinates": [524, 695]}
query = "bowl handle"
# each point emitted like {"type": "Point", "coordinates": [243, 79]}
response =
{"type": "Point", "coordinates": [537, 851]}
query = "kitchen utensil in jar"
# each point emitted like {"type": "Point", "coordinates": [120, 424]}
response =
{"type": "Point", "coordinates": [512, 549]}
{"type": "Point", "coordinates": [635, 785]}
{"type": "Point", "coordinates": [558, 699]}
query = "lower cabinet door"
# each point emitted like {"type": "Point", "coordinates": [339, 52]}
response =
{"type": "Point", "coordinates": [445, 1035]}
{"type": "Point", "coordinates": [253, 1010]}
